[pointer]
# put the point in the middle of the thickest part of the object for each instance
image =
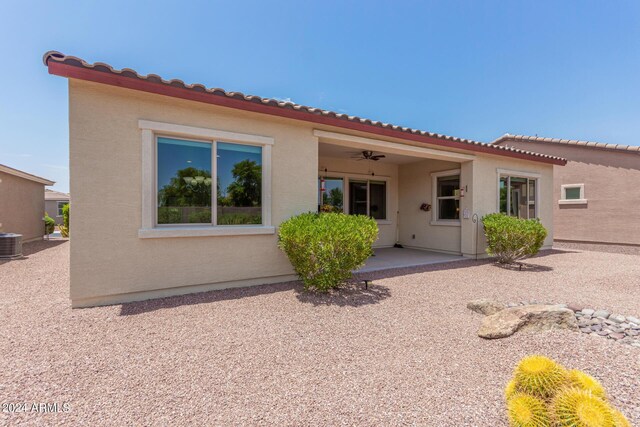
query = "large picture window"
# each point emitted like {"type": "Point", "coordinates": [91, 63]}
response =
{"type": "Point", "coordinates": [187, 173]}
{"type": "Point", "coordinates": [518, 196]}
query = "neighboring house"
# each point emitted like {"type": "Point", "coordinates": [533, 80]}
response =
{"type": "Point", "coordinates": [22, 203]}
{"type": "Point", "coordinates": [149, 158]}
{"type": "Point", "coordinates": [54, 201]}
{"type": "Point", "coordinates": [597, 194]}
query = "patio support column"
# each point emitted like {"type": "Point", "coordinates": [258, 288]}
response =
{"type": "Point", "coordinates": [468, 228]}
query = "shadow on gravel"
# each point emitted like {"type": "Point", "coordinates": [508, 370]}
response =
{"type": "Point", "coordinates": [353, 294]}
{"type": "Point", "coordinates": [536, 268]}
{"type": "Point", "coordinates": [139, 307]}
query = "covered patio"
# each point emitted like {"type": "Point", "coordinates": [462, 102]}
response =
{"type": "Point", "coordinates": [416, 194]}
{"type": "Point", "coordinates": [388, 258]}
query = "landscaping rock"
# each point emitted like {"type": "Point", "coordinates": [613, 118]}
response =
{"type": "Point", "coordinates": [575, 307]}
{"type": "Point", "coordinates": [534, 317]}
{"type": "Point", "coordinates": [485, 306]}
{"type": "Point", "coordinates": [618, 318]}
{"type": "Point", "coordinates": [616, 335]}
{"type": "Point", "coordinates": [587, 311]}
{"type": "Point", "coordinates": [602, 313]}
{"type": "Point", "coordinates": [633, 320]}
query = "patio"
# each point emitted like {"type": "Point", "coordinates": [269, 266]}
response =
{"type": "Point", "coordinates": [388, 258]}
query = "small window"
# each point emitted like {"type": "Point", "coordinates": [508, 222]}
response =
{"type": "Point", "coordinates": [572, 194]}
{"type": "Point", "coordinates": [445, 193]}
{"type": "Point", "coordinates": [61, 205]}
{"type": "Point", "coordinates": [447, 205]}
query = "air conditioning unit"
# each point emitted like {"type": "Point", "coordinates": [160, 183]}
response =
{"type": "Point", "coordinates": [10, 245]}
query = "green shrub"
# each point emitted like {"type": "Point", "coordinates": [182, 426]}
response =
{"type": "Point", "coordinates": [64, 229]}
{"type": "Point", "coordinates": [510, 239]}
{"type": "Point", "coordinates": [65, 215]}
{"type": "Point", "coordinates": [203, 216]}
{"type": "Point", "coordinates": [325, 248]}
{"type": "Point", "coordinates": [49, 224]}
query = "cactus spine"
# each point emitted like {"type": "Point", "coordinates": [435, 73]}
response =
{"type": "Point", "coordinates": [527, 411]}
{"type": "Point", "coordinates": [573, 407]}
{"type": "Point", "coordinates": [539, 376]}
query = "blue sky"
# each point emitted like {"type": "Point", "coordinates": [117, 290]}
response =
{"type": "Point", "coordinates": [473, 69]}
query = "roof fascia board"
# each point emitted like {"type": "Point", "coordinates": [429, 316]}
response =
{"type": "Point", "coordinates": [19, 173]}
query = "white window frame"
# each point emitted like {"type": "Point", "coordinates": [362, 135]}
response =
{"type": "Point", "coordinates": [59, 209]}
{"type": "Point", "coordinates": [508, 173]}
{"type": "Point", "coordinates": [346, 177]}
{"type": "Point", "coordinates": [434, 198]}
{"type": "Point", "coordinates": [563, 195]}
{"type": "Point", "coordinates": [151, 130]}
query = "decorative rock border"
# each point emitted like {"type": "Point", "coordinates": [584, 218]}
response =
{"type": "Point", "coordinates": [625, 329]}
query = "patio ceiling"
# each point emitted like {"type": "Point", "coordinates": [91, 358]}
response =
{"type": "Point", "coordinates": [342, 152]}
{"type": "Point", "coordinates": [333, 144]}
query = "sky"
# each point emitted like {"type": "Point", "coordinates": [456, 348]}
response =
{"type": "Point", "coordinates": [472, 69]}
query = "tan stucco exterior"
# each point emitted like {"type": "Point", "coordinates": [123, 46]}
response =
{"type": "Point", "coordinates": [21, 207]}
{"type": "Point", "coordinates": [110, 262]}
{"type": "Point", "coordinates": [611, 179]}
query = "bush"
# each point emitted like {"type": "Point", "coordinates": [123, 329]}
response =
{"type": "Point", "coordinates": [325, 248]}
{"type": "Point", "coordinates": [543, 393]}
{"type": "Point", "coordinates": [64, 229]}
{"type": "Point", "coordinates": [49, 224]}
{"type": "Point", "coordinates": [65, 215]}
{"type": "Point", "coordinates": [510, 238]}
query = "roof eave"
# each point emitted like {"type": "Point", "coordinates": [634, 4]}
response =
{"type": "Point", "coordinates": [25, 175]}
{"type": "Point", "coordinates": [97, 76]}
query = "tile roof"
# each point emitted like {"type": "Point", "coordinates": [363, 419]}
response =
{"type": "Point", "coordinates": [74, 67]}
{"type": "Point", "coordinates": [25, 175]}
{"type": "Point", "coordinates": [55, 195]}
{"type": "Point", "coordinates": [590, 144]}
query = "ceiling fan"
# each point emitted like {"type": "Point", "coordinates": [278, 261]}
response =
{"type": "Point", "coordinates": [368, 155]}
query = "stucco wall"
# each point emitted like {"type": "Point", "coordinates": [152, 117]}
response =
{"type": "Point", "coordinates": [611, 181]}
{"type": "Point", "coordinates": [21, 207]}
{"type": "Point", "coordinates": [111, 263]}
{"type": "Point", "coordinates": [485, 190]}
{"type": "Point", "coordinates": [108, 257]}
{"type": "Point", "coordinates": [415, 188]}
{"type": "Point", "coordinates": [386, 229]}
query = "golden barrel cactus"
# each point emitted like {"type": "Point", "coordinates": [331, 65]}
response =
{"type": "Point", "coordinates": [573, 407]}
{"type": "Point", "coordinates": [539, 376]}
{"type": "Point", "coordinates": [619, 419]}
{"type": "Point", "coordinates": [579, 379]}
{"type": "Point", "coordinates": [527, 411]}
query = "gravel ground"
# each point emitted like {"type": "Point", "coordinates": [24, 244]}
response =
{"type": "Point", "coordinates": [403, 352]}
{"type": "Point", "coordinates": [596, 247]}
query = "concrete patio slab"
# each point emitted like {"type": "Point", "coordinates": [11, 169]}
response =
{"type": "Point", "coordinates": [387, 258]}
